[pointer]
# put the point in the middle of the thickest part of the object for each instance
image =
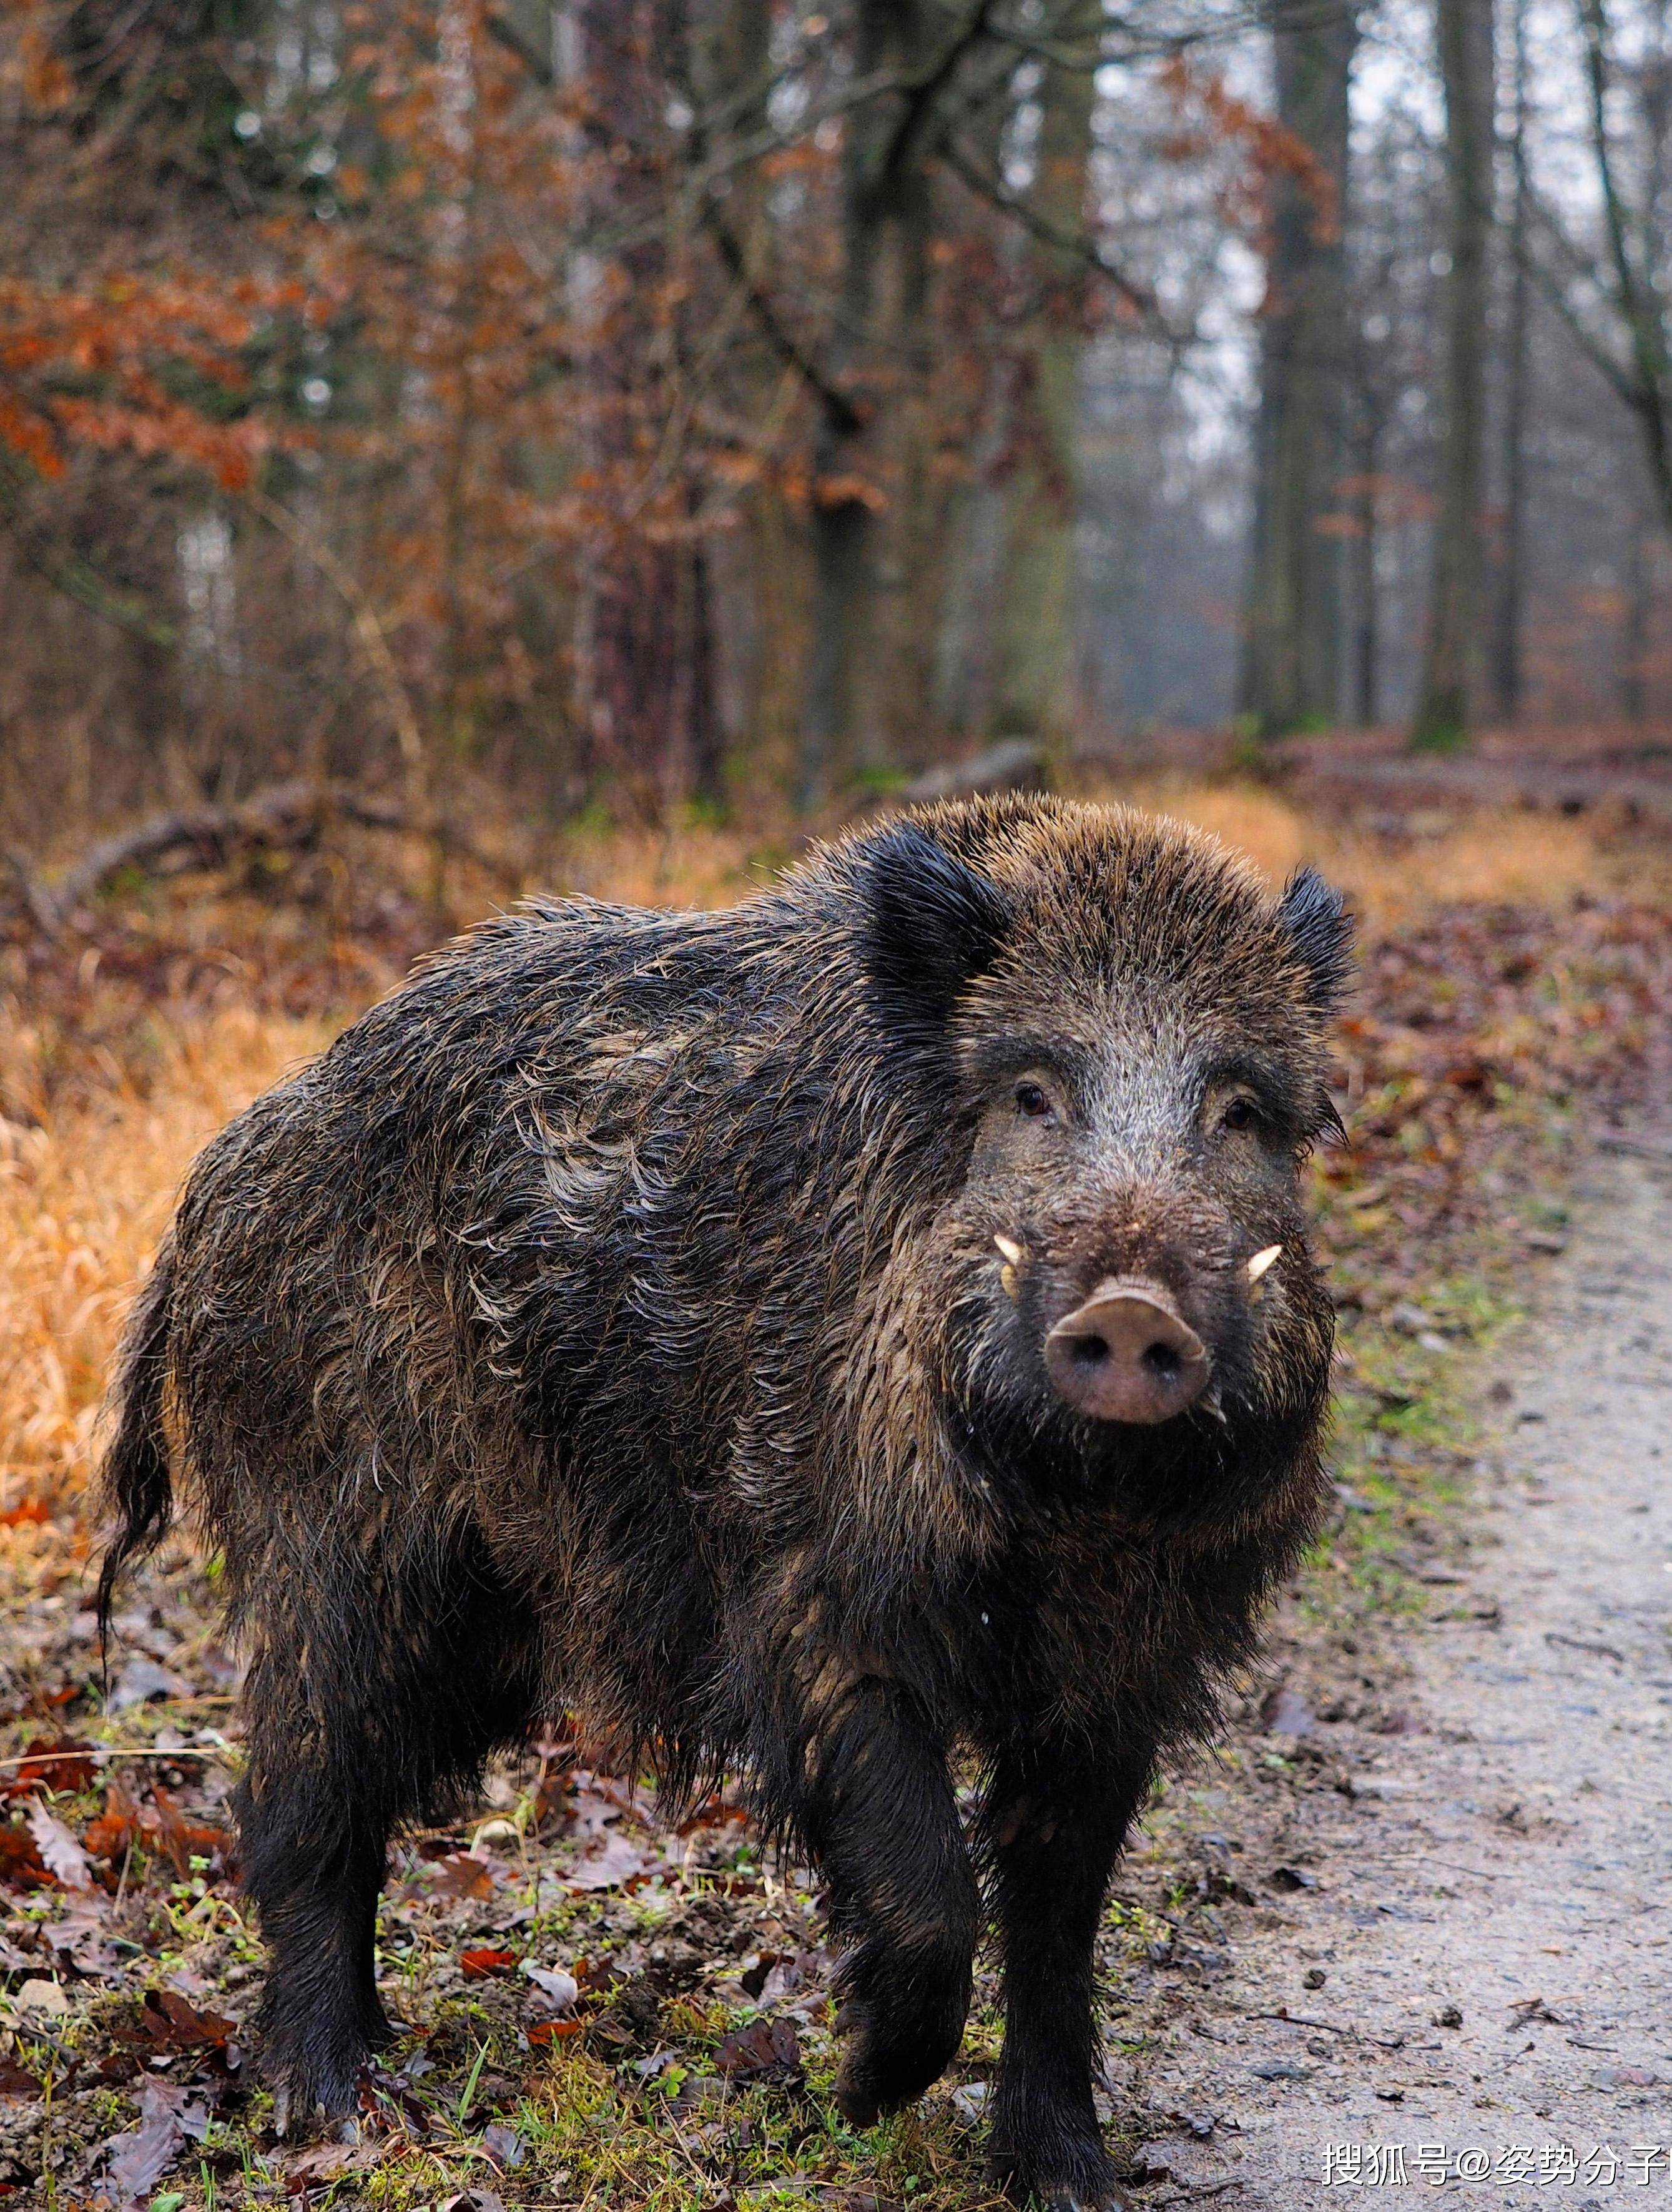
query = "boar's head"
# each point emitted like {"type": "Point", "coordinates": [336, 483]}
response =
{"type": "Point", "coordinates": [1121, 1033]}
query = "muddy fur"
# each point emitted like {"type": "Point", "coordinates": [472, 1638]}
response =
{"type": "Point", "coordinates": [610, 1320]}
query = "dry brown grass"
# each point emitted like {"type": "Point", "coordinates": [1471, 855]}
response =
{"type": "Point", "coordinates": [84, 1197]}
{"type": "Point", "coordinates": [1502, 856]}
{"type": "Point", "coordinates": [86, 1190]}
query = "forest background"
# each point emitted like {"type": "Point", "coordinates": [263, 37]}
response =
{"type": "Point", "coordinates": [640, 404]}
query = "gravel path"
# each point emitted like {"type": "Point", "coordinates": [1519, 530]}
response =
{"type": "Point", "coordinates": [1481, 1973]}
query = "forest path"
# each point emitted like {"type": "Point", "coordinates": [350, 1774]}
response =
{"type": "Point", "coordinates": [1510, 1863]}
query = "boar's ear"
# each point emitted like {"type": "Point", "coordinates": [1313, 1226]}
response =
{"type": "Point", "coordinates": [930, 925]}
{"type": "Point", "coordinates": [1321, 931]}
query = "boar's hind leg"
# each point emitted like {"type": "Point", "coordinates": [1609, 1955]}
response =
{"type": "Point", "coordinates": [375, 1694]}
{"type": "Point", "coordinates": [883, 1821]}
{"type": "Point", "coordinates": [1052, 1828]}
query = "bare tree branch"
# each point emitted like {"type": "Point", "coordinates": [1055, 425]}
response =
{"type": "Point", "coordinates": [68, 572]}
{"type": "Point", "coordinates": [368, 628]}
{"type": "Point", "coordinates": [992, 188]}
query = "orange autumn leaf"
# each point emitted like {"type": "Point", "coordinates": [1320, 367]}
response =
{"type": "Point", "coordinates": [479, 1963]}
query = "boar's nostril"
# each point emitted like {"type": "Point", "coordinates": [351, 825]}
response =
{"type": "Point", "coordinates": [1126, 1354]}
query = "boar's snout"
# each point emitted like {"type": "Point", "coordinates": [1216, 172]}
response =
{"type": "Point", "coordinates": [1126, 1354]}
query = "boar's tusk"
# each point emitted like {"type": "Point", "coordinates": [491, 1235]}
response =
{"type": "Point", "coordinates": [1007, 1281]}
{"type": "Point", "coordinates": [1258, 1265]}
{"type": "Point", "coordinates": [1011, 1250]}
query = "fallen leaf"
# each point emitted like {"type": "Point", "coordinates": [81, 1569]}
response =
{"type": "Point", "coordinates": [766, 2048]}
{"type": "Point", "coordinates": [21, 1862]}
{"type": "Point", "coordinates": [54, 1764]}
{"type": "Point", "coordinates": [81, 1936]}
{"type": "Point", "coordinates": [168, 2022]}
{"type": "Point", "coordinates": [503, 2145]}
{"type": "Point", "coordinates": [167, 2119]}
{"type": "Point", "coordinates": [479, 1963]}
{"type": "Point", "coordinates": [460, 1875]}
{"type": "Point", "coordinates": [60, 1854]}
{"type": "Point", "coordinates": [109, 1836]}
{"type": "Point", "coordinates": [591, 1803]}
{"type": "Point", "coordinates": [183, 1838]}
{"type": "Point", "coordinates": [32, 1510]}
{"type": "Point", "coordinates": [332, 2161]}
{"type": "Point", "coordinates": [45, 1997]}
{"type": "Point", "coordinates": [553, 2030]}
{"type": "Point", "coordinates": [618, 1863]}
{"type": "Point", "coordinates": [563, 1989]}
{"type": "Point", "coordinates": [16, 2081]}
{"type": "Point", "coordinates": [713, 1812]}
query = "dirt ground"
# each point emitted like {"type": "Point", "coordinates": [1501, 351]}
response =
{"type": "Point", "coordinates": [1466, 1974]}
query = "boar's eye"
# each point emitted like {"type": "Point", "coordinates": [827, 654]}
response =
{"type": "Point", "coordinates": [1032, 1101]}
{"type": "Point", "coordinates": [1240, 1114]}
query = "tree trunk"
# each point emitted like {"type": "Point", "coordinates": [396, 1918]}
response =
{"type": "Point", "coordinates": [1037, 664]}
{"type": "Point", "coordinates": [751, 625]}
{"type": "Point", "coordinates": [1454, 639]}
{"type": "Point", "coordinates": [1506, 639]}
{"type": "Point", "coordinates": [1367, 642]}
{"type": "Point", "coordinates": [650, 658]}
{"type": "Point", "coordinates": [1291, 673]}
{"type": "Point", "coordinates": [1634, 644]}
{"type": "Point", "coordinates": [878, 338]}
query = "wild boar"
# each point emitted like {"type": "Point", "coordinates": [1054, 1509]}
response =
{"type": "Point", "coordinates": [859, 1338]}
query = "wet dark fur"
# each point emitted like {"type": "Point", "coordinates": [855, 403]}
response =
{"type": "Point", "coordinates": [595, 1325]}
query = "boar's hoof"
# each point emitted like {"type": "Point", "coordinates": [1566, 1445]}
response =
{"type": "Point", "coordinates": [315, 2089]}
{"type": "Point", "coordinates": [1128, 1354]}
{"type": "Point", "coordinates": [887, 2063]}
{"type": "Point", "coordinates": [1102, 2196]}
{"type": "Point", "coordinates": [1074, 2178]}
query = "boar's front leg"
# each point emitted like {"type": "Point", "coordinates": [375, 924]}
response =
{"type": "Point", "coordinates": [1053, 1823]}
{"type": "Point", "coordinates": [883, 1819]}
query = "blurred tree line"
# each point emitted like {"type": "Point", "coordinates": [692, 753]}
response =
{"type": "Point", "coordinates": [639, 400]}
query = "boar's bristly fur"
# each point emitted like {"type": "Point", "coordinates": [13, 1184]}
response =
{"type": "Point", "coordinates": [708, 1323]}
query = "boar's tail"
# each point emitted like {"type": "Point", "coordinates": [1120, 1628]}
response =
{"type": "Point", "coordinates": [135, 1483]}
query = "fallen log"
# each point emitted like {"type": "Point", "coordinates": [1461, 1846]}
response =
{"type": "Point", "coordinates": [1017, 764]}
{"type": "Point", "coordinates": [284, 817]}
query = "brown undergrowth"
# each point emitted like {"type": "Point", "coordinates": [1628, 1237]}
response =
{"type": "Point", "coordinates": [602, 2011]}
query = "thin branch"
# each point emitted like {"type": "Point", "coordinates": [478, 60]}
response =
{"type": "Point", "coordinates": [1555, 296]}
{"type": "Point", "coordinates": [1644, 329]}
{"type": "Point", "coordinates": [909, 133]}
{"type": "Point", "coordinates": [839, 410]}
{"type": "Point", "coordinates": [368, 628]}
{"type": "Point", "coordinates": [1074, 243]}
{"type": "Point", "coordinates": [504, 27]}
{"type": "Point", "coordinates": [67, 571]}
